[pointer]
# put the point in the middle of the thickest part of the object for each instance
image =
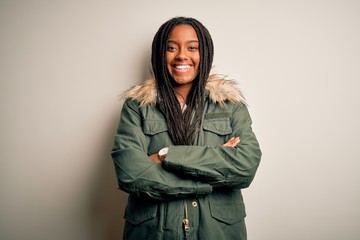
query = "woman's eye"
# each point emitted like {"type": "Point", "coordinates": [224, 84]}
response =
{"type": "Point", "coordinates": [193, 48]}
{"type": "Point", "coordinates": [171, 48]}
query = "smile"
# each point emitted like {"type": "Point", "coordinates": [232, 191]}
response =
{"type": "Point", "coordinates": [181, 68]}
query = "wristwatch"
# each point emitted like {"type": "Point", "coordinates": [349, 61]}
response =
{"type": "Point", "coordinates": [162, 153]}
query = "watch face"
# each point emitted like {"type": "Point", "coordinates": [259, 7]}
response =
{"type": "Point", "coordinates": [163, 151]}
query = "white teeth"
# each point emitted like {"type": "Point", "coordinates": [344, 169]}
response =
{"type": "Point", "coordinates": [182, 66]}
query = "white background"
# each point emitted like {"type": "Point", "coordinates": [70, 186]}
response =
{"type": "Point", "coordinates": [63, 65]}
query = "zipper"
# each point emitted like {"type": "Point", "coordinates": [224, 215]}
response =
{"type": "Point", "coordinates": [186, 222]}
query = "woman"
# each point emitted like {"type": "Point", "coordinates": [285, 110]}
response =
{"type": "Point", "coordinates": [184, 147]}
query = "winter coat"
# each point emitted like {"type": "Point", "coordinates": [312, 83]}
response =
{"type": "Point", "coordinates": [200, 183]}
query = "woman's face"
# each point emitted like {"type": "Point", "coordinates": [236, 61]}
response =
{"type": "Point", "coordinates": [182, 54]}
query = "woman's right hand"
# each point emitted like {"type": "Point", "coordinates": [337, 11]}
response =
{"type": "Point", "coordinates": [155, 158]}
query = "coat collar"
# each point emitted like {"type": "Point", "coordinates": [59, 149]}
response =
{"type": "Point", "coordinates": [219, 89]}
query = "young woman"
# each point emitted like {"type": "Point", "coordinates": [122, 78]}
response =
{"type": "Point", "coordinates": [184, 148]}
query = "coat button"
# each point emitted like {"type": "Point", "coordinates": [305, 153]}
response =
{"type": "Point", "coordinates": [194, 204]}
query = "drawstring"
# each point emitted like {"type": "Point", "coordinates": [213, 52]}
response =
{"type": "Point", "coordinates": [186, 222]}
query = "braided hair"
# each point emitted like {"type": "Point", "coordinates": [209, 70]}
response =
{"type": "Point", "coordinates": [182, 126]}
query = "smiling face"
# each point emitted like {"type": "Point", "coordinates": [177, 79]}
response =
{"type": "Point", "coordinates": [182, 55]}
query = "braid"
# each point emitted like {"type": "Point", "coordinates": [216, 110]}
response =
{"type": "Point", "coordinates": [182, 126]}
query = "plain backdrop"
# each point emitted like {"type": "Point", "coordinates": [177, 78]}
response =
{"type": "Point", "coordinates": [63, 65]}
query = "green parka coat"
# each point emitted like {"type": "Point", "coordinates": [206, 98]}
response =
{"type": "Point", "coordinates": [200, 183]}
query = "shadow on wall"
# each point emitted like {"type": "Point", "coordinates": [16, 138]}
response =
{"type": "Point", "coordinates": [106, 202]}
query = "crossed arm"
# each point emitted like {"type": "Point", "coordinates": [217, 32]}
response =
{"type": "Point", "coordinates": [232, 142]}
{"type": "Point", "coordinates": [187, 170]}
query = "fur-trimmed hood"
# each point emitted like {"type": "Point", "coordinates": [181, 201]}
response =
{"type": "Point", "coordinates": [219, 89]}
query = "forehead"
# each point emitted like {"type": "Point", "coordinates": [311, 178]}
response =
{"type": "Point", "coordinates": [183, 32]}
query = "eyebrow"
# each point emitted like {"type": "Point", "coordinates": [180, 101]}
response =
{"type": "Point", "coordinates": [191, 41]}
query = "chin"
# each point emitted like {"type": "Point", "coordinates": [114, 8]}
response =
{"type": "Point", "coordinates": [183, 81]}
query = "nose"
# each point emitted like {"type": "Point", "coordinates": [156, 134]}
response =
{"type": "Point", "coordinates": [181, 54]}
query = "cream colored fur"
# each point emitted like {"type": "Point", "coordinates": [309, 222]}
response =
{"type": "Point", "coordinates": [220, 91]}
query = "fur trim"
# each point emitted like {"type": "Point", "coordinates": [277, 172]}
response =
{"type": "Point", "coordinates": [220, 90]}
{"type": "Point", "coordinates": [146, 93]}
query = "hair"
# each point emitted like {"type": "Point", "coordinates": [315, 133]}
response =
{"type": "Point", "coordinates": [182, 126]}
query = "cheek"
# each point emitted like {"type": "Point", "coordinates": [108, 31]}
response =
{"type": "Point", "coordinates": [197, 60]}
{"type": "Point", "coordinates": [168, 60]}
{"type": "Point", "coordinates": [167, 63]}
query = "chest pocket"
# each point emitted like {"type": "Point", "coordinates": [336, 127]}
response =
{"type": "Point", "coordinates": [156, 133]}
{"type": "Point", "coordinates": [216, 130]}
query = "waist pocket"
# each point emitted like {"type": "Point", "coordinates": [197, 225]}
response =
{"type": "Point", "coordinates": [138, 210]}
{"type": "Point", "coordinates": [227, 205]}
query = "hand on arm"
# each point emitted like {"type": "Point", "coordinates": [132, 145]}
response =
{"type": "Point", "coordinates": [155, 158]}
{"type": "Point", "coordinates": [232, 142]}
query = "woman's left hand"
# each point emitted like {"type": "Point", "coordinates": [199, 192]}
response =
{"type": "Point", "coordinates": [232, 142]}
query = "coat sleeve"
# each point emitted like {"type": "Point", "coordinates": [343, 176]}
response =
{"type": "Point", "coordinates": [137, 173]}
{"type": "Point", "coordinates": [217, 165]}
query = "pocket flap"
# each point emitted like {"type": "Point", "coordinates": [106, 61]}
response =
{"type": "Point", "coordinates": [152, 127]}
{"type": "Point", "coordinates": [220, 126]}
{"type": "Point", "coordinates": [227, 206]}
{"type": "Point", "coordinates": [138, 211]}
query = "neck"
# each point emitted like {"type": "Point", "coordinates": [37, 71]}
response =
{"type": "Point", "coordinates": [182, 92]}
